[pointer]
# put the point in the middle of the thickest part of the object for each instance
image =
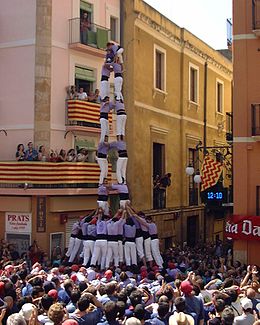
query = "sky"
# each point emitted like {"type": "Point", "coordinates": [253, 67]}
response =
{"type": "Point", "coordinates": [204, 18]}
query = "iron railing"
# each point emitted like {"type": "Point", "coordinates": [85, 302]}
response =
{"type": "Point", "coordinates": [229, 127]}
{"type": "Point", "coordinates": [94, 36]}
{"type": "Point", "coordinates": [255, 119]}
{"type": "Point", "coordinates": [256, 14]}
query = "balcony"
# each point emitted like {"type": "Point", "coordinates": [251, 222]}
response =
{"type": "Point", "coordinates": [83, 115]}
{"type": "Point", "coordinates": [256, 121]}
{"type": "Point", "coordinates": [93, 40]}
{"type": "Point", "coordinates": [256, 17]}
{"type": "Point", "coordinates": [36, 175]}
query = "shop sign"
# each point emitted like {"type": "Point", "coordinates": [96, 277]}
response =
{"type": "Point", "coordinates": [243, 227]}
{"type": "Point", "coordinates": [41, 214]}
{"type": "Point", "coordinates": [18, 222]}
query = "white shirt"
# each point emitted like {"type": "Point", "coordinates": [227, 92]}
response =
{"type": "Point", "coordinates": [82, 95]}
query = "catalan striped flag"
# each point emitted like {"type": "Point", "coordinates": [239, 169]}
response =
{"type": "Point", "coordinates": [210, 172]}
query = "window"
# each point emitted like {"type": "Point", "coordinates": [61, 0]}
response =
{"type": "Point", "coordinates": [86, 7]}
{"type": "Point", "coordinates": [158, 172]}
{"type": "Point", "coordinates": [219, 96]}
{"type": "Point", "coordinates": [114, 28]}
{"type": "Point", "coordinates": [160, 69]}
{"type": "Point", "coordinates": [84, 78]}
{"type": "Point", "coordinates": [193, 189]}
{"type": "Point", "coordinates": [194, 84]}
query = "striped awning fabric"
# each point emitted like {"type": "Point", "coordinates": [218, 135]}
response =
{"type": "Point", "coordinates": [50, 173]}
{"type": "Point", "coordinates": [79, 110]}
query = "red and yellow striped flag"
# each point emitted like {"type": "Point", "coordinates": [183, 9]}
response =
{"type": "Point", "coordinates": [210, 172]}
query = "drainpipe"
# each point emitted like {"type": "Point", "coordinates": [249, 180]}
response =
{"type": "Point", "coordinates": [122, 22]}
{"type": "Point", "coordinates": [205, 133]}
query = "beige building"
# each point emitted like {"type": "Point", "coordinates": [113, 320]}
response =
{"type": "Point", "coordinates": [177, 93]}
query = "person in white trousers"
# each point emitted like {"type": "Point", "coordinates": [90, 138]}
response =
{"type": "Point", "coordinates": [121, 164]}
{"type": "Point", "coordinates": [102, 200]}
{"type": "Point", "coordinates": [77, 244]}
{"type": "Point", "coordinates": [152, 228]}
{"type": "Point", "coordinates": [89, 236]}
{"type": "Point", "coordinates": [118, 80]}
{"type": "Point", "coordinates": [105, 108]}
{"type": "Point", "coordinates": [123, 194]}
{"type": "Point", "coordinates": [139, 240]}
{"type": "Point", "coordinates": [100, 247]}
{"type": "Point", "coordinates": [102, 152]}
{"type": "Point", "coordinates": [112, 238]}
{"type": "Point", "coordinates": [73, 236]}
{"type": "Point", "coordinates": [130, 246]}
{"type": "Point", "coordinates": [104, 84]}
{"type": "Point", "coordinates": [120, 119]}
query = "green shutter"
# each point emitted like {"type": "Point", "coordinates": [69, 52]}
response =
{"type": "Point", "coordinates": [102, 38]}
{"type": "Point", "coordinates": [91, 38]}
{"type": "Point", "coordinates": [85, 6]}
{"type": "Point", "coordinates": [84, 74]}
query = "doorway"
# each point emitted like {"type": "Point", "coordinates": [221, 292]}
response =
{"type": "Point", "coordinates": [192, 230]}
{"type": "Point", "coordinates": [158, 170]}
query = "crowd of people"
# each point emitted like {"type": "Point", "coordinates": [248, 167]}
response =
{"type": "Point", "coordinates": [194, 285]}
{"type": "Point", "coordinates": [81, 94]}
{"type": "Point", "coordinates": [32, 154]}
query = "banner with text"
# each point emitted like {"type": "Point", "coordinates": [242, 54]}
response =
{"type": "Point", "coordinates": [18, 222]}
{"type": "Point", "coordinates": [243, 227]}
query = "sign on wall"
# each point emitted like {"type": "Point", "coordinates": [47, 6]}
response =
{"type": "Point", "coordinates": [41, 214]}
{"type": "Point", "coordinates": [243, 227]}
{"type": "Point", "coordinates": [18, 222]}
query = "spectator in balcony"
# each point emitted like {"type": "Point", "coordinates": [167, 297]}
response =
{"type": "Point", "coordinates": [20, 154]}
{"type": "Point", "coordinates": [118, 81]}
{"type": "Point", "coordinates": [82, 155]}
{"type": "Point", "coordinates": [165, 182]}
{"type": "Point", "coordinates": [71, 155]}
{"type": "Point", "coordinates": [156, 185]}
{"type": "Point", "coordinates": [53, 156]}
{"type": "Point", "coordinates": [84, 27]}
{"type": "Point", "coordinates": [94, 97]}
{"type": "Point", "coordinates": [62, 156]}
{"type": "Point", "coordinates": [82, 95]}
{"type": "Point", "coordinates": [71, 92]}
{"type": "Point", "coordinates": [31, 154]}
{"type": "Point", "coordinates": [43, 155]}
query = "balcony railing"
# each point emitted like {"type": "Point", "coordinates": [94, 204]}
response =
{"type": "Point", "coordinates": [94, 36]}
{"type": "Point", "coordinates": [255, 119]}
{"type": "Point", "coordinates": [229, 127]}
{"type": "Point", "coordinates": [49, 175]}
{"type": "Point", "coordinates": [256, 14]}
{"type": "Point", "coordinates": [83, 113]}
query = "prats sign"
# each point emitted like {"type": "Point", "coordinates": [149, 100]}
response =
{"type": "Point", "coordinates": [243, 227]}
{"type": "Point", "coordinates": [18, 222]}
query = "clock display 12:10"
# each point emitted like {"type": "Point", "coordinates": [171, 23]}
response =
{"type": "Point", "coordinates": [215, 195]}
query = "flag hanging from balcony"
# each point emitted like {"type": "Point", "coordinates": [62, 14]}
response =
{"type": "Point", "coordinates": [210, 172]}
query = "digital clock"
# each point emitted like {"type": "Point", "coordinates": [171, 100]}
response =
{"type": "Point", "coordinates": [214, 195]}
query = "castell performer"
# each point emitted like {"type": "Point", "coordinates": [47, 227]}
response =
{"type": "Point", "coordinates": [100, 247]}
{"type": "Point", "coordinates": [77, 242]}
{"type": "Point", "coordinates": [153, 232]}
{"type": "Point", "coordinates": [123, 194]}
{"type": "Point", "coordinates": [121, 164]}
{"type": "Point", "coordinates": [120, 119]}
{"type": "Point", "coordinates": [112, 238]}
{"type": "Point", "coordinates": [118, 80]}
{"type": "Point", "coordinates": [129, 244]}
{"type": "Point", "coordinates": [102, 152]}
{"type": "Point", "coordinates": [102, 200]}
{"type": "Point", "coordinates": [104, 84]}
{"type": "Point", "coordinates": [105, 108]}
{"type": "Point", "coordinates": [89, 236]}
{"type": "Point", "coordinates": [117, 50]}
{"type": "Point", "coordinates": [74, 231]}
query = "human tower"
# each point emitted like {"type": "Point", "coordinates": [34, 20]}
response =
{"type": "Point", "coordinates": [127, 236]}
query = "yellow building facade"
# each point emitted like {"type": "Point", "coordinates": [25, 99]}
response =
{"type": "Point", "coordinates": [171, 78]}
